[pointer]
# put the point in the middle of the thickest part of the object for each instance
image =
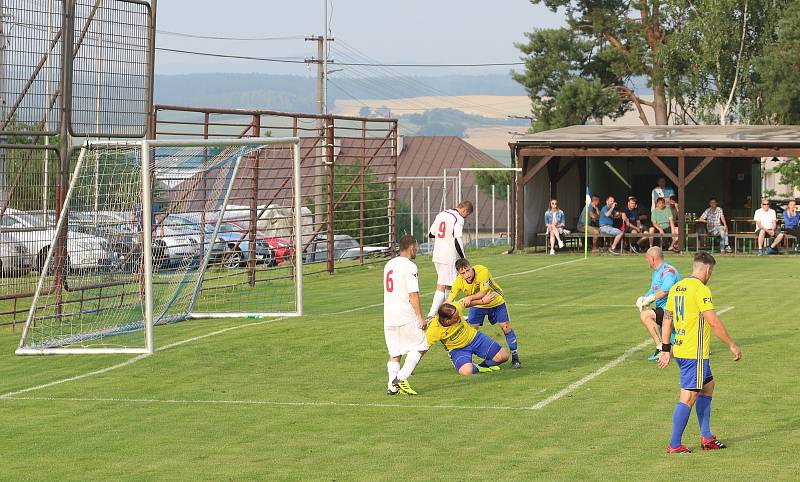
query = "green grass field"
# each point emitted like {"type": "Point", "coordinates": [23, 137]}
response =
{"type": "Point", "coordinates": [302, 399]}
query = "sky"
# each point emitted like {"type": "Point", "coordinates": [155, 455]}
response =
{"type": "Point", "coordinates": [400, 31]}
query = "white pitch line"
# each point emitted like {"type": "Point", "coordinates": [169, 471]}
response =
{"type": "Point", "coordinates": [207, 335]}
{"type": "Point", "coordinates": [608, 366]}
{"type": "Point", "coordinates": [268, 403]}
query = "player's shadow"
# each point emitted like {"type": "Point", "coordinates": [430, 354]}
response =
{"type": "Point", "coordinates": [790, 426]}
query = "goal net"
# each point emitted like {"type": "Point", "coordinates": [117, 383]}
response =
{"type": "Point", "coordinates": [149, 234]}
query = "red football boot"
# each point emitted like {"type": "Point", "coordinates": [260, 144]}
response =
{"type": "Point", "coordinates": [679, 450]}
{"type": "Point", "coordinates": [711, 443]}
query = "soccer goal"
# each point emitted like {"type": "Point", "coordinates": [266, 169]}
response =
{"type": "Point", "coordinates": [149, 234]}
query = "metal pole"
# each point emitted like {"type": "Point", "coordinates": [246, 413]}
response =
{"type": "Point", "coordinates": [324, 58]}
{"type": "Point", "coordinates": [411, 211]}
{"type": "Point", "coordinates": [492, 212]}
{"type": "Point", "coordinates": [98, 91]}
{"type": "Point", "coordinates": [476, 215]}
{"type": "Point", "coordinates": [3, 74]}
{"type": "Point", "coordinates": [147, 248]}
{"type": "Point", "coordinates": [459, 186]}
{"type": "Point", "coordinates": [444, 189]}
{"type": "Point", "coordinates": [508, 213]}
{"type": "Point", "coordinates": [298, 230]}
{"type": "Point", "coordinates": [428, 207]}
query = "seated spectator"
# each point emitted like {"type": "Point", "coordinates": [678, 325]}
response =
{"type": "Point", "coordinates": [767, 225]}
{"type": "Point", "coordinates": [791, 220]}
{"type": "Point", "coordinates": [594, 220]}
{"type": "Point", "coordinates": [715, 224]}
{"type": "Point", "coordinates": [661, 190]}
{"type": "Point", "coordinates": [672, 202]}
{"type": "Point", "coordinates": [607, 215]}
{"type": "Point", "coordinates": [554, 219]}
{"type": "Point", "coordinates": [662, 221]}
{"type": "Point", "coordinates": [632, 222]}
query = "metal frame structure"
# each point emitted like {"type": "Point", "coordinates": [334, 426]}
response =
{"type": "Point", "coordinates": [147, 244]}
{"type": "Point", "coordinates": [534, 152]}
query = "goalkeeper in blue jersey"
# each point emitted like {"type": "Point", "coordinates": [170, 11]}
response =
{"type": "Point", "coordinates": [664, 276]}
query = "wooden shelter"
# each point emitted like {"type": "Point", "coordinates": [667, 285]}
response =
{"type": "Point", "coordinates": [681, 154]}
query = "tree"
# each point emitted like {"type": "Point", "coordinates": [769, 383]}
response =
{"type": "Point", "coordinates": [582, 71]}
{"type": "Point", "coordinates": [347, 190]}
{"type": "Point", "coordinates": [790, 172]}
{"type": "Point", "coordinates": [364, 111]}
{"type": "Point", "coordinates": [500, 179]}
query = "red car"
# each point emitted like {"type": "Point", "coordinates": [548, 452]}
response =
{"type": "Point", "coordinates": [281, 247]}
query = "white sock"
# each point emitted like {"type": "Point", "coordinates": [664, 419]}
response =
{"type": "Point", "coordinates": [438, 299]}
{"type": "Point", "coordinates": [446, 293]}
{"type": "Point", "coordinates": [393, 367]}
{"type": "Point", "coordinates": [412, 359]}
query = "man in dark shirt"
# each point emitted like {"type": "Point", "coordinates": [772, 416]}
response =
{"type": "Point", "coordinates": [631, 223]}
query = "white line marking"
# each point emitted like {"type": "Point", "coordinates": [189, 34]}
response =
{"type": "Point", "coordinates": [520, 273]}
{"type": "Point", "coordinates": [265, 402]}
{"type": "Point", "coordinates": [214, 333]}
{"type": "Point", "coordinates": [608, 366]}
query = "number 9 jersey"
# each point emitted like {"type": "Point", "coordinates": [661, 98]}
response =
{"type": "Point", "coordinates": [445, 229]}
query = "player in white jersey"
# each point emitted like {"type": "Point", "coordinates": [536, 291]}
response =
{"type": "Point", "coordinates": [402, 317]}
{"type": "Point", "coordinates": [448, 248]}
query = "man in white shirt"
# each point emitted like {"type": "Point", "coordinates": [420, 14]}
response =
{"type": "Point", "coordinates": [767, 225]}
{"type": "Point", "coordinates": [402, 317]}
{"type": "Point", "coordinates": [446, 231]}
{"type": "Point", "coordinates": [661, 190]}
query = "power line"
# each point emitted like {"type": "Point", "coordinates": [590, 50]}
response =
{"type": "Point", "coordinates": [285, 60]}
{"type": "Point", "coordinates": [216, 37]}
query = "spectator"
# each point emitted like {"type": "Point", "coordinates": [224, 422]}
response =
{"type": "Point", "coordinates": [554, 219]}
{"type": "Point", "coordinates": [791, 220]}
{"type": "Point", "coordinates": [715, 224]}
{"type": "Point", "coordinates": [594, 220]}
{"type": "Point", "coordinates": [607, 215]}
{"type": "Point", "coordinates": [661, 190]}
{"type": "Point", "coordinates": [674, 208]}
{"type": "Point", "coordinates": [767, 225]}
{"type": "Point", "coordinates": [632, 223]}
{"type": "Point", "coordinates": [662, 220]}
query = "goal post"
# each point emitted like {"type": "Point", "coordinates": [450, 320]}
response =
{"type": "Point", "coordinates": [149, 235]}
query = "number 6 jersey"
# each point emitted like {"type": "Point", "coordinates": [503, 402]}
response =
{"type": "Point", "coordinates": [399, 279]}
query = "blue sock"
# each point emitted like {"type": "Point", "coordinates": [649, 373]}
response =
{"type": "Point", "coordinates": [488, 363]}
{"type": "Point", "coordinates": [703, 409]}
{"type": "Point", "coordinates": [474, 368]}
{"type": "Point", "coordinates": [679, 419]}
{"type": "Point", "coordinates": [511, 339]}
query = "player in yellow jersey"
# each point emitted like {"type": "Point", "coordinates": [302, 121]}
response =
{"type": "Point", "coordinates": [478, 286]}
{"type": "Point", "coordinates": [462, 341]}
{"type": "Point", "coordinates": [691, 310]}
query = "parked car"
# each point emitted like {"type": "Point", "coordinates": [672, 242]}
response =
{"type": "Point", "coordinates": [123, 237]}
{"type": "Point", "coordinates": [345, 247]}
{"type": "Point", "coordinates": [182, 239]}
{"type": "Point", "coordinates": [281, 248]}
{"type": "Point", "coordinates": [239, 247]}
{"type": "Point", "coordinates": [15, 259]}
{"type": "Point", "coordinates": [84, 251]}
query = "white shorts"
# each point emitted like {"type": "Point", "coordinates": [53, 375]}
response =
{"type": "Point", "coordinates": [405, 338]}
{"type": "Point", "coordinates": [446, 273]}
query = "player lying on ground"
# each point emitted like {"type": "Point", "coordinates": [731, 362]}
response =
{"type": "Point", "coordinates": [477, 284]}
{"type": "Point", "coordinates": [689, 305]}
{"type": "Point", "coordinates": [446, 231]}
{"type": "Point", "coordinates": [664, 276]}
{"type": "Point", "coordinates": [462, 341]}
{"type": "Point", "coordinates": [402, 317]}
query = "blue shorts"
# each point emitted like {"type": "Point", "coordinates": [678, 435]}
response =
{"type": "Point", "coordinates": [610, 230]}
{"type": "Point", "coordinates": [498, 314]}
{"type": "Point", "coordinates": [481, 345]}
{"type": "Point", "coordinates": [694, 375]}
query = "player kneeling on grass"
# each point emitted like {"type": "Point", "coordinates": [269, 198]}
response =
{"type": "Point", "coordinates": [462, 341]}
{"type": "Point", "coordinates": [484, 298]}
{"type": "Point", "coordinates": [689, 305]}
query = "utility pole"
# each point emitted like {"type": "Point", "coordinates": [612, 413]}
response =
{"type": "Point", "coordinates": [322, 109]}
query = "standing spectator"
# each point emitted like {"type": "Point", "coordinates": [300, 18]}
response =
{"type": "Point", "coordinates": [661, 190]}
{"type": "Point", "coordinates": [554, 219]}
{"type": "Point", "coordinates": [715, 223]}
{"type": "Point", "coordinates": [594, 220]}
{"type": "Point", "coordinates": [607, 215]}
{"type": "Point", "coordinates": [767, 225]}
{"type": "Point", "coordinates": [631, 222]}
{"type": "Point", "coordinates": [662, 220]}
{"type": "Point", "coordinates": [791, 220]}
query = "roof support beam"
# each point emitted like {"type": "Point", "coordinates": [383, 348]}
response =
{"type": "Point", "coordinates": [536, 168]}
{"type": "Point", "coordinates": [564, 170]}
{"type": "Point", "coordinates": [666, 170]}
{"type": "Point", "coordinates": [705, 162]}
{"type": "Point", "coordinates": [681, 202]}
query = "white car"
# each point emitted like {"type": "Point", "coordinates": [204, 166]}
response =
{"type": "Point", "coordinates": [84, 251]}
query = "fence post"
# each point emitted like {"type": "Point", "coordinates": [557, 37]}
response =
{"type": "Point", "coordinates": [427, 208]}
{"type": "Point", "coordinates": [329, 133]}
{"type": "Point", "coordinates": [493, 214]}
{"type": "Point", "coordinates": [362, 173]}
{"type": "Point", "coordinates": [508, 214]}
{"type": "Point", "coordinates": [411, 211]}
{"type": "Point", "coordinates": [476, 214]}
{"type": "Point", "coordinates": [251, 254]}
{"type": "Point", "coordinates": [393, 193]}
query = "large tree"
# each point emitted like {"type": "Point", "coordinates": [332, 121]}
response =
{"type": "Point", "coordinates": [586, 69]}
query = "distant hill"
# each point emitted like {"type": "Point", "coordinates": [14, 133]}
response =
{"type": "Point", "coordinates": [298, 93]}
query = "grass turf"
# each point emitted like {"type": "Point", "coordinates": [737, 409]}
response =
{"type": "Point", "coordinates": [304, 398]}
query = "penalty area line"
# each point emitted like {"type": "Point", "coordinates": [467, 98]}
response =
{"type": "Point", "coordinates": [135, 359]}
{"type": "Point", "coordinates": [608, 366]}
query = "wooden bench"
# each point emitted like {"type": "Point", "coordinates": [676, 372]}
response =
{"type": "Point", "coordinates": [576, 236]}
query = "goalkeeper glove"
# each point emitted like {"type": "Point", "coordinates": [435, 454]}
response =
{"type": "Point", "coordinates": [640, 303]}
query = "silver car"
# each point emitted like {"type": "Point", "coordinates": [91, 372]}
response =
{"type": "Point", "coordinates": [15, 259]}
